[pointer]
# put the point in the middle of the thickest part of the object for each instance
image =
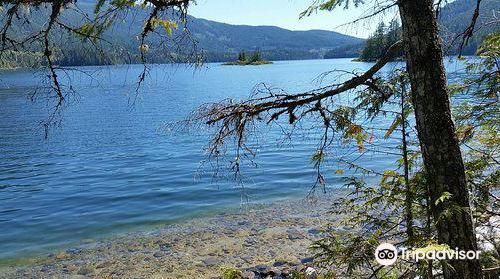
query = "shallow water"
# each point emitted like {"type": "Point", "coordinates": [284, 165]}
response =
{"type": "Point", "coordinates": [110, 168]}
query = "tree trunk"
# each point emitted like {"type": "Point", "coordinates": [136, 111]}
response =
{"type": "Point", "coordinates": [436, 131]}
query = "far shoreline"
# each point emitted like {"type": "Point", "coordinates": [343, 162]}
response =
{"type": "Point", "coordinates": [351, 59]}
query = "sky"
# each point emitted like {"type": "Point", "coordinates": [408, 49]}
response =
{"type": "Point", "coordinates": [285, 14]}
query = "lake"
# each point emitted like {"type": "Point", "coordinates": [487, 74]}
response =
{"type": "Point", "coordinates": [110, 167]}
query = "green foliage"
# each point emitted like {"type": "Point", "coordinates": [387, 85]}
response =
{"type": "Point", "coordinates": [490, 259]}
{"type": "Point", "coordinates": [383, 38]}
{"type": "Point", "coordinates": [330, 5]}
{"type": "Point", "coordinates": [255, 57]}
{"type": "Point", "coordinates": [297, 275]}
{"type": "Point", "coordinates": [242, 56]}
{"type": "Point", "coordinates": [98, 6]}
{"type": "Point", "coordinates": [478, 120]}
{"type": "Point", "coordinates": [319, 156]}
{"type": "Point", "coordinates": [19, 59]}
{"type": "Point", "coordinates": [444, 197]}
{"type": "Point", "coordinates": [373, 213]}
{"type": "Point", "coordinates": [454, 18]}
{"type": "Point", "coordinates": [168, 25]}
{"type": "Point", "coordinates": [231, 273]}
{"type": "Point", "coordinates": [347, 51]}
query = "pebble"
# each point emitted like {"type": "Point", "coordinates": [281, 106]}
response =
{"type": "Point", "coordinates": [103, 265]}
{"type": "Point", "coordinates": [294, 234]}
{"type": "Point", "coordinates": [279, 263]}
{"type": "Point", "coordinates": [211, 262]}
{"type": "Point", "coordinates": [248, 275]}
{"type": "Point", "coordinates": [261, 267]}
{"type": "Point", "coordinates": [313, 232]}
{"type": "Point", "coordinates": [158, 254]}
{"type": "Point", "coordinates": [198, 247]}
{"type": "Point", "coordinates": [84, 271]}
{"type": "Point", "coordinates": [62, 256]}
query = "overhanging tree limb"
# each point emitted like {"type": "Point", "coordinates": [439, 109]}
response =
{"type": "Point", "coordinates": [288, 102]}
{"type": "Point", "coordinates": [233, 120]}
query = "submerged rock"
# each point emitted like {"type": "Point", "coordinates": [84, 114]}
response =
{"type": "Point", "coordinates": [158, 254]}
{"type": "Point", "coordinates": [211, 261]}
{"type": "Point", "coordinates": [85, 271]}
{"type": "Point", "coordinates": [279, 263]}
{"type": "Point", "coordinates": [249, 275]}
{"type": "Point", "coordinates": [307, 260]}
{"type": "Point", "coordinates": [196, 249]}
{"type": "Point", "coordinates": [294, 234]}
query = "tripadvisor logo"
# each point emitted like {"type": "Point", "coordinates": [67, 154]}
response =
{"type": "Point", "coordinates": [387, 254]}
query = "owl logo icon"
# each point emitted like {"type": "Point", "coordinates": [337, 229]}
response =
{"type": "Point", "coordinates": [386, 254]}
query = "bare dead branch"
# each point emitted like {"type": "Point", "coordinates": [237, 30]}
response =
{"type": "Point", "coordinates": [233, 120]}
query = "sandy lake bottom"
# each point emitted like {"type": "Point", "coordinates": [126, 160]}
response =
{"type": "Point", "coordinates": [271, 234]}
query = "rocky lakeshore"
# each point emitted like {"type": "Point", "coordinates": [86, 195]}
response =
{"type": "Point", "coordinates": [261, 241]}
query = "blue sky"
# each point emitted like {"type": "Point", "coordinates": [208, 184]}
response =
{"type": "Point", "coordinates": [282, 13]}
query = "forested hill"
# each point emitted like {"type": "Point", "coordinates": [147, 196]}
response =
{"type": "Point", "coordinates": [217, 41]}
{"type": "Point", "coordinates": [454, 19]}
{"type": "Point", "coordinates": [222, 42]}
{"type": "Point", "coordinates": [275, 41]}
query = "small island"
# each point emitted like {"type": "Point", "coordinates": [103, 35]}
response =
{"type": "Point", "coordinates": [255, 59]}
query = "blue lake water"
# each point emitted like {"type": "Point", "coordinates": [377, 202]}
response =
{"type": "Point", "coordinates": [111, 168]}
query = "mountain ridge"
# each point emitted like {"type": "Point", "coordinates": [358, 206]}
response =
{"type": "Point", "coordinates": [218, 41]}
{"type": "Point", "coordinates": [223, 37]}
{"type": "Point", "coordinates": [223, 41]}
